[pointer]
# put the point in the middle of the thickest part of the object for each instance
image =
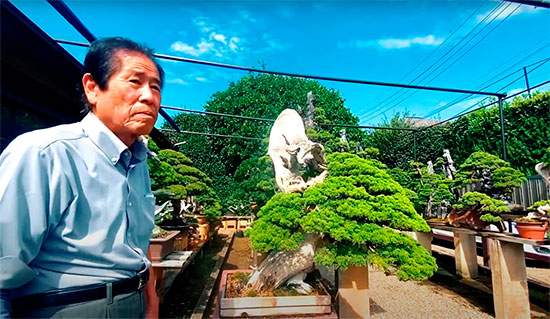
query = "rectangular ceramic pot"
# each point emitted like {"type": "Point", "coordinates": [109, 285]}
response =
{"type": "Point", "coordinates": [271, 306]}
{"type": "Point", "coordinates": [160, 247]}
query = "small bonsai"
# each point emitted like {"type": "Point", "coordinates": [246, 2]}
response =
{"type": "Point", "coordinates": [538, 212]}
{"type": "Point", "coordinates": [174, 178]}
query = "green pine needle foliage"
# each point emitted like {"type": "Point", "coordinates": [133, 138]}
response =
{"type": "Point", "coordinates": [482, 203]}
{"type": "Point", "coordinates": [174, 177]}
{"type": "Point", "coordinates": [358, 210]}
{"type": "Point", "coordinates": [502, 177]}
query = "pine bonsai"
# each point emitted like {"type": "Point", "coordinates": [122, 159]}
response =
{"type": "Point", "coordinates": [174, 178]}
{"type": "Point", "coordinates": [358, 212]}
{"type": "Point", "coordinates": [494, 176]}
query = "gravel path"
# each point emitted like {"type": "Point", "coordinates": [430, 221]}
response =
{"type": "Point", "coordinates": [395, 299]}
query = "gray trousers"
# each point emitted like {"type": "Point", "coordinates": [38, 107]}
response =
{"type": "Point", "coordinates": [130, 305]}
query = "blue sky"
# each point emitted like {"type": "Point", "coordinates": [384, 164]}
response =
{"type": "Point", "coordinates": [385, 41]}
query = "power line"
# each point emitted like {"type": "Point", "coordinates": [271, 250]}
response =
{"type": "Point", "coordinates": [316, 77]}
{"type": "Point", "coordinates": [444, 107]}
{"type": "Point", "coordinates": [398, 94]}
{"type": "Point", "coordinates": [273, 120]}
{"type": "Point", "coordinates": [431, 53]}
{"type": "Point", "coordinates": [212, 134]}
{"type": "Point", "coordinates": [484, 106]}
{"type": "Point", "coordinates": [466, 52]}
{"type": "Point", "coordinates": [217, 114]}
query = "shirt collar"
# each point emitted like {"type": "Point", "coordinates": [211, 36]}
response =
{"type": "Point", "coordinates": [108, 142]}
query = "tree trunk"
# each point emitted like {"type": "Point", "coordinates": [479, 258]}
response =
{"type": "Point", "coordinates": [279, 266]}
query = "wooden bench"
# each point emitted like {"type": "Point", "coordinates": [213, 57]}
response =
{"type": "Point", "coordinates": [168, 268]}
{"type": "Point", "coordinates": [508, 272]}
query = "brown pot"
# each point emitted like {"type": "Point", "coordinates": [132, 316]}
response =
{"type": "Point", "coordinates": [532, 230]}
{"type": "Point", "coordinates": [202, 219]}
{"type": "Point", "coordinates": [160, 247]}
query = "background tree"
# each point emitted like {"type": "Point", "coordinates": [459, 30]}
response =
{"type": "Point", "coordinates": [266, 96]}
{"type": "Point", "coordinates": [254, 183]}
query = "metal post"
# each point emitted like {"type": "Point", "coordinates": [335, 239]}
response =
{"type": "Point", "coordinates": [501, 108]}
{"type": "Point", "coordinates": [414, 145]}
{"type": "Point", "coordinates": [527, 81]}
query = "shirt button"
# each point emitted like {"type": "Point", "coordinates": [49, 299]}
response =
{"type": "Point", "coordinates": [130, 204]}
{"type": "Point", "coordinates": [113, 159]}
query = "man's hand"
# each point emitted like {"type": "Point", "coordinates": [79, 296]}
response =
{"type": "Point", "coordinates": [151, 298]}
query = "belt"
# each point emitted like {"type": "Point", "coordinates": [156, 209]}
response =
{"type": "Point", "coordinates": [81, 294]}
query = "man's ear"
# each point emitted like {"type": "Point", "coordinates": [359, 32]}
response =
{"type": "Point", "coordinates": [90, 88]}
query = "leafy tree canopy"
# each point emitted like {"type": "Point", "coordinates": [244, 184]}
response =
{"type": "Point", "coordinates": [358, 209]}
{"type": "Point", "coordinates": [266, 96]}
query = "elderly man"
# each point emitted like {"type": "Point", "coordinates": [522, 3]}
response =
{"type": "Point", "coordinates": [76, 208]}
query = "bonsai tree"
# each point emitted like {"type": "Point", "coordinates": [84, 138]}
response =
{"type": "Point", "coordinates": [492, 175]}
{"type": "Point", "coordinates": [479, 208]}
{"type": "Point", "coordinates": [429, 188]}
{"type": "Point", "coordinates": [358, 212]}
{"type": "Point", "coordinates": [494, 182]}
{"type": "Point", "coordinates": [174, 178]}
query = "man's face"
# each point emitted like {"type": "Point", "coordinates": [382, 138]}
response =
{"type": "Point", "coordinates": [130, 103]}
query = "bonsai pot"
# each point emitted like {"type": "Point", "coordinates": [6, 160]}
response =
{"type": "Point", "coordinates": [286, 306]}
{"type": "Point", "coordinates": [160, 247]}
{"type": "Point", "coordinates": [532, 230]}
{"type": "Point", "coordinates": [202, 219]}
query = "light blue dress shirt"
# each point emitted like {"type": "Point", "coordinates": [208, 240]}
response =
{"type": "Point", "coordinates": [76, 208]}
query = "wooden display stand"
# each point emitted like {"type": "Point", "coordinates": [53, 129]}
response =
{"type": "Point", "coordinates": [508, 272]}
{"type": "Point", "coordinates": [353, 293]}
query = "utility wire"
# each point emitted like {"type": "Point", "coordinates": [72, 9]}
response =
{"type": "Point", "coordinates": [316, 77]}
{"type": "Point", "coordinates": [401, 92]}
{"type": "Point", "coordinates": [212, 134]}
{"type": "Point", "coordinates": [273, 120]}
{"type": "Point", "coordinates": [484, 106]}
{"type": "Point", "coordinates": [446, 106]}
{"type": "Point", "coordinates": [217, 114]}
{"type": "Point", "coordinates": [466, 52]}
{"type": "Point", "coordinates": [507, 85]}
{"type": "Point", "coordinates": [431, 53]}
{"type": "Point", "coordinates": [456, 60]}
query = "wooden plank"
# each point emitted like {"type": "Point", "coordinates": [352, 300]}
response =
{"type": "Point", "coordinates": [509, 277]}
{"type": "Point", "coordinates": [506, 236]}
{"type": "Point", "coordinates": [198, 312]}
{"type": "Point", "coordinates": [275, 311]}
{"type": "Point", "coordinates": [354, 294]}
{"type": "Point", "coordinates": [465, 255]}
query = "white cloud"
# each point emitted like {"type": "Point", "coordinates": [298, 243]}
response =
{"type": "Point", "coordinates": [406, 43]}
{"type": "Point", "coordinates": [201, 79]}
{"type": "Point", "coordinates": [523, 9]}
{"type": "Point", "coordinates": [233, 43]}
{"type": "Point", "coordinates": [392, 43]}
{"type": "Point", "coordinates": [177, 81]}
{"type": "Point", "coordinates": [201, 48]}
{"type": "Point", "coordinates": [218, 37]}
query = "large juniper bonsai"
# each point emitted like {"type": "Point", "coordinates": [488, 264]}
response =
{"type": "Point", "coordinates": [357, 212]}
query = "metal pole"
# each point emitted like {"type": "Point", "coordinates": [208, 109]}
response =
{"type": "Point", "coordinates": [414, 145]}
{"type": "Point", "coordinates": [501, 108]}
{"type": "Point", "coordinates": [527, 82]}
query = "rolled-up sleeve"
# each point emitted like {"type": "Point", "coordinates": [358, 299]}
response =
{"type": "Point", "coordinates": [25, 209]}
